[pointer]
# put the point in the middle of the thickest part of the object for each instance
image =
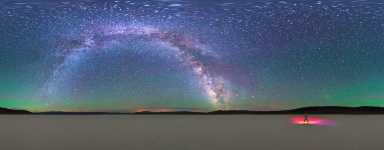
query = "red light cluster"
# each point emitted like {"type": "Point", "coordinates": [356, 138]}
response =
{"type": "Point", "coordinates": [302, 120]}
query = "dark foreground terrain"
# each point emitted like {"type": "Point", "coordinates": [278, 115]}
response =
{"type": "Point", "coordinates": [187, 132]}
{"type": "Point", "coordinates": [304, 110]}
{"type": "Point", "coordinates": [221, 130]}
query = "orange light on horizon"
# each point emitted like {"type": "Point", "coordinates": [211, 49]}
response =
{"type": "Point", "coordinates": [154, 110]}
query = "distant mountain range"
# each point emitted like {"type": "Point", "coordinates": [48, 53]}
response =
{"type": "Point", "coordinates": [13, 111]}
{"type": "Point", "coordinates": [304, 110]}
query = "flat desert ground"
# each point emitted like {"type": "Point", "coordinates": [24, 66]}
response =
{"type": "Point", "coordinates": [188, 132]}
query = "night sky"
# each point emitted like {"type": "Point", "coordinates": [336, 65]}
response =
{"type": "Point", "coordinates": [202, 55]}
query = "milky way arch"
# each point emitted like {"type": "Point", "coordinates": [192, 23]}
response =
{"type": "Point", "coordinates": [188, 51]}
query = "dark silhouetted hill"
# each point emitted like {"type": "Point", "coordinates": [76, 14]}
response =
{"type": "Point", "coordinates": [340, 110]}
{"type": "Point", "coordinates": [13, 111]}
{"type": "Point", "coordinates": [311, 110]}
{"type": "Point", "coordinates": [304, 110]}
{"type": "Point", "coordinates": [170, 113]}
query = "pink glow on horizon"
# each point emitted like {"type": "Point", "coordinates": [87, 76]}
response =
{"type": "Point", "coordinates": [314, 121]}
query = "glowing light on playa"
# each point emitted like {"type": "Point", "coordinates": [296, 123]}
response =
{"type": "Point", "coordinates": [315, 121]}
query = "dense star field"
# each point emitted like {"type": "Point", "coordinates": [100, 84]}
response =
{"type": "Point", "coordinates": [164, 55]}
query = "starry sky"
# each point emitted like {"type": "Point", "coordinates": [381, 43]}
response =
{"type": "Point", "coordinates": [166, 55]}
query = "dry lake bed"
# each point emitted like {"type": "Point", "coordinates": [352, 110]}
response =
{"type": "Point", "coordinates": [188, 132]}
